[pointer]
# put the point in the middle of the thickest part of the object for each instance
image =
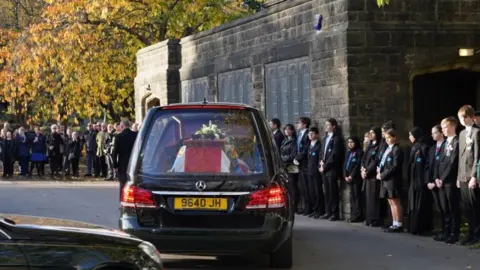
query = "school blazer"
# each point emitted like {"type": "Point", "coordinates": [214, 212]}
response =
{"type": "Point", "coordinates": [353, 169]}
{"type": "Point", "coordinates": [433, 161]}
{"type": "Point", "coordinates": [302, 152]}
{"type": "Point", "coordinates": [469, 154]}
{"type": "Point", "coordinates": [446, 168]}
{"type": "Point", "coordinates": [334, 155]}
{"type": "Point", "coordinates": [392, 170]}
{"type": "Point", "coordinates": [418, 166]}
{"type": "Point", "coordinates": [369, 160]}
{"type": "Point", "coordinates": [313, 158]}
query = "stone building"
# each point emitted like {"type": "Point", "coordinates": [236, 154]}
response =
{"type": "Point", "coordinates": [366, 64]}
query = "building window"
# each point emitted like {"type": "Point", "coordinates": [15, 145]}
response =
{"type": "Point", "coordinates": [288, 90]}
{"type": "Point", "coordinates": [195, 90]}
{"type": "Point", "coordinates": [236, 86]}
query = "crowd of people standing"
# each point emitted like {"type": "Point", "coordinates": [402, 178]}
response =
{"type": "Point", "coordinates": [442, 175]}
{"type": "Point", "coordinates": [62, 149]}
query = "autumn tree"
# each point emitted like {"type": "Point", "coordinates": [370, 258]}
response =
{"type": "Point", "coordinates": [80, 57]}
{"type": "Point", "coordinates": [382, 3]}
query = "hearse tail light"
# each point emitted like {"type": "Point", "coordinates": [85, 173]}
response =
{"type": "Point", "coordinates": [273, 197]}
{"type": "Point", "coordinates": [135, 197]}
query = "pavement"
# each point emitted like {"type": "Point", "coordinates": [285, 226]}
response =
{"type": "Point", "coordinates": [318, 244]}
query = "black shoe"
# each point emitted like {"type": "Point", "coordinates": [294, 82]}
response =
{"type": "Point", "coordinates": [333, 218]}
{"type": "Point", "coordinates": [452, 239]}
{"type": "Point", "coordinates": [394, 229]}
{"type": "Point", "coordinates": [326, 216]}
{"type": "Point", "coordinates": [367, 223]}
{"type": "Point", "coordinates": [377, 223]}
{"type": "Point", "coordinates": [440, 237]}
{"type": "Point", "coordinates": [355, 220]}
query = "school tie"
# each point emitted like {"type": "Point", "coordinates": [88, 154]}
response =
{"type": "Point", "coordinates": [347, 165]}
{"type": "Point", "coordinates": [384, 158]}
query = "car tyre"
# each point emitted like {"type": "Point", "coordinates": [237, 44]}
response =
{"type": "Point", "coordinates": [282, 258]}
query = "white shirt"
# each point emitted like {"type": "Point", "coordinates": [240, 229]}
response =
{"type": "Point", "coordinates": [449, 139]}
{"type": "Point", "coordinates": [329, 137]}
{"type": "Point", "coordinates": [439, 143]}
{"type": "Point", "coordinates": [312, 143]}
{"type": "Point", "coordinates": [299, 138]}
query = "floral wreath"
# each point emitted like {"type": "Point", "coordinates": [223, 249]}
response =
{"type": "Point", "coordinates": [209, 132]}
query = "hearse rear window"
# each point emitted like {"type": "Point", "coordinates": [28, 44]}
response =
{"type": "Point", "coordinates": [202, 141]}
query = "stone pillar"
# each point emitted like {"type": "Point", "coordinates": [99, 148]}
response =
{"type": "Point", "coordinates": [157, 75]}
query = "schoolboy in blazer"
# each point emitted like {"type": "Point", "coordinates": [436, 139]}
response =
{"type": "Point", "coordinates": [469, 156]}
{"type": "Point", "coordinates": [434, 155]}
{"type": "Point", "coordinates": [302, 141]}
{"type": "Point", "coordinates": [314, 180]}
{"type": "Point", "coordinates": [445, 175]}
{"type": "Point", "coordinates": [331, 167]}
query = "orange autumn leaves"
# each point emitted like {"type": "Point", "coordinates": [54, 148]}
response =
{"type": "Point", "coordinates": [78, 58]}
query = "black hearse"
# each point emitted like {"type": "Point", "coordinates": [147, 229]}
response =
{"type": "Point", "coordinates": [206, 179]}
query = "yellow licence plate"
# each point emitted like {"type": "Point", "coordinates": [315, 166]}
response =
{"type": "Point", "coordinates": [200, 204]}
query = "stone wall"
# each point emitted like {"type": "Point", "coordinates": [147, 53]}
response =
{"type": "Point", "coordinates": [357, 69]}
{"type": "Point", "coordinates": [388, 46]}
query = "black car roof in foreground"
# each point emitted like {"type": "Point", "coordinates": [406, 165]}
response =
{"type": "Point", "coordinates": [23, 222]}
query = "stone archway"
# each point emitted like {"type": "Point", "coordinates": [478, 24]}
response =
{"type": "Point", "coordinates": [153, 102]}
{"type": "Point", "coordinates": [440, 92]}
{"type": "Point", "coordinates": [144, 105]}
{"type": "Point", "coordinates": [149, 101]}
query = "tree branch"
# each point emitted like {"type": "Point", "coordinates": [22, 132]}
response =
{"type": "Point", "coordinates": [132, 32]}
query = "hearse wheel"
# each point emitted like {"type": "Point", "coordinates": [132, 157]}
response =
{"type": "Point", "coordinates": [283, 257]}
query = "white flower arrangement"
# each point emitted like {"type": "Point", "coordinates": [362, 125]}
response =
{"type": "Point", "coordinates": [211, 131]}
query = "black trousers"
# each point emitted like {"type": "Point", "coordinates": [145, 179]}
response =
{"type": "Point", "coordinates": [302, 191]}
{"type": "Point", "coordinates": [110, 170]}
{"type": "Point", "coordinates": [356, 202]}
{"type": "Point", "coordinates": [66, 165]}
{"type": "Point", "coordinates": [74, 163]}
{"type": "Point", "coordinates": [293, 180]}
{"type": "Point", "coordinates": [56, 163]}
{"type": "Point", "coordinates": [40, 166]}
{"type": "Point", "coordinates": [316, 198]}
{"type": "Point", "coordinates": [8, 167]}
{"type": "Point", "coordinates": [102, 166]}
{"type": "Point", "coordinates": [471, 205]}
{"type": "Point", "coordinates": [449, 197]}
{"type": "Point", "coordinates": [330, 185]}
{"type": "Point", "coordinates": [438, 207]}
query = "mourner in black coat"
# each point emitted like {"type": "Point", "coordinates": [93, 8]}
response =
{"type": "Point", "coordinates": [353, 177]}
{"type": "Point", "coordinates": [314, 180]}
{"type": "Point", "coordinates": [331, 167]}
{"type": "Point", "coordinates": [445, 175]}
{"type": "Point", "coordinates": [122, 149]}
{"type": "Point", "coordinates": [371, 185]}
{"type": "Point", "coordinates": [434, 155]}
{"type": "Point", "coordinates": [467, 179]}
{"type": "Point", "coordinates": [288, 151]}
{"type": "Point", "coordinates": [302, 141]}
{"type": "Point", "coordinates": [278, 136]}
{"type": "Point", "coordinates": [419, 197]}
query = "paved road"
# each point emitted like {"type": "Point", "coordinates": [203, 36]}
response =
{"type": "Point", "coordinates": [318, 244]}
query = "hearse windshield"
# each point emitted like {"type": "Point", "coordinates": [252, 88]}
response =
{"type": "Point", "coordinates": [202, 141]}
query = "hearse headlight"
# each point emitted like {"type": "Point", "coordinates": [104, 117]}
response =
{"type": "Point", "coordinates": [151, 251]}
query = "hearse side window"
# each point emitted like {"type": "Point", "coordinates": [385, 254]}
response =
{"type": "Point", "coordinates": [202, 141]}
